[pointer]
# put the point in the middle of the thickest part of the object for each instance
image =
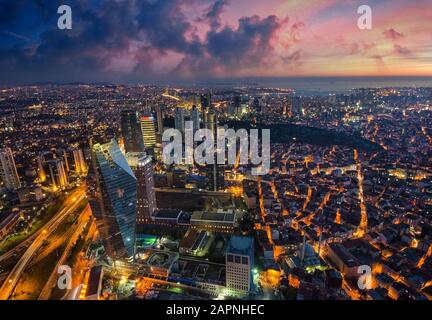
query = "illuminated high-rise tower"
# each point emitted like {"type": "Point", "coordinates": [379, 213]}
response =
{"type": "Point", "coordinates": [146, 197]}
{"type": "Point", "coordinates": [8, 169]}
{"type": "Point", "coordinates": [179, 119]}
{"type": "Point", "coordinates": [195, 117]}
{"type": "Point", "coordinates": [297, 108]}
{"type": "Point", "coordinates": [239, 263]}
{"type": "Point", "coordinates": [73, 159]}
{"type": "Point", "coordinates": [205, 107]}
{"type": "Point", "coordinates": [159, 117]}
{"type": "Point", "coordinates": [112, 194]}
{"type": "Point", "coordinates": [148, 131]}
{"type": "Point", "coordinates": [79, 162]}
{"type": "Point", "coordinates": [215, 172]}
{"type": "Point", "coordinates": [53, 171]}
{"type": "Point", "coordinates": [56, 173]}
{"type": "Point", "coordinates": [237, 105]}
{"type": "Point", "coordinates": [205, 101]}
{"type": "Point", "coordinates": [131, 131]}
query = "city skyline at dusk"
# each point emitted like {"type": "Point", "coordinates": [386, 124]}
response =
{"type": "Point", "coordinates": [142, 41]}
{"type": "Point", "coordinates": [193, 151]}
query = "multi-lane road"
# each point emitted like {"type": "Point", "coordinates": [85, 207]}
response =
{"type": "Point", "coordinates": [83, 220]}
{"type": "Point", "coordinates": [12, 279]}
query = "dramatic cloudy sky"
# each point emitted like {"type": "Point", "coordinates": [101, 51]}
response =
{"type": "Point", "coordinates": [145, 40]}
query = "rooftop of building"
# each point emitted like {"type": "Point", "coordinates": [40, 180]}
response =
{"type": "Point", "coordinates": [168, 214]}
{"type": "Point", "coordinates": [240, 245]}
{"type": "Point", "coordinates": [94, 279]}
{"type": "Point", "coordinates": [219, 216]}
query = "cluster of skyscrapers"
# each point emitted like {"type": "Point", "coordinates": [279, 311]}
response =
{"type": "Point", "coordinates": [120, 185]}
{"type": "Point", "coordinates": [206, 119]}
{"type": "Point", "coordinates": [53, 168]}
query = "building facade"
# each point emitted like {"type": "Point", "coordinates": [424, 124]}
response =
{"type": "Point", "coordinates": [239, 262]}
{"type": "Point", "coordinates": [148, 131]}
{"type": "Point", "coordinates": [8, 171]}
{"type": "Point", "coordinates": [146, 197]}
{"type": "Point", "coordinates": [179, 119]}
{"type": "Point", "coordinates": [112, 194]}
{"type": "Point", "coordinates": [131, 131]}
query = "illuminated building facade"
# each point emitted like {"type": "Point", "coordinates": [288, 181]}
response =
{"type": "Point", "coordinates": [146, 197]}
{"type": "Point", "coordinates": [297, 108]}
{"type": "Point", "coordinates": [179, 119]}
{"type": "Point", "coordinates": [148, 131]}
{"type": "Point", "coordinates": [112, 194]}
{"type": "Point", "coordinates": [214, 172]}
{"type": "Point", "coordinates": [195, 116]}
{"type": "Point", "coordinates": [237, 105]}
{"type": "Point", "coordinates": [53, 171]}
{"type": "Point", "coordinates": [159, 117]}
{"type": "Point", "coordinates": [8, 171]}
{"type": "Point", "coordinates": [131, 131]}
{"type": "Point", "coordinates": [215, 176]}
{"type": "Point", "coordinates": [56, 174]}
{"type": "Point", "coordinates": [74, 161]}
{"type": "Point", "coordinates": [239, 264]}
{"type": "Point", "coordinates": [79, 161]}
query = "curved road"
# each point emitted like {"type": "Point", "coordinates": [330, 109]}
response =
{"type": "Point", "coordinates": [11, 281]}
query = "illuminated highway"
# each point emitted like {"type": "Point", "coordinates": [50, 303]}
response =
{"type": "Point", "coordinates": [11, 281]}
{"type": "Point", "coordinates": [83, 220]}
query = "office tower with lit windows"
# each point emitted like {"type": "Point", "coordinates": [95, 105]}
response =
{"type": "Point", "coordinates": [195, 117]}
{"type": "Point", "coordinates": [73, 159]}
{"type": "Point", "coordinates": [56, 174]}
{"type": "Point", "coordinates": [112, 193]}
{"type": "Point", "coordinates": [205, 108]}
{"type": "Point", "coordinates": [53, 171]}
{"type": "Point", "coordinates": [215, 176]}
{"type": "Point", "coordinates": [210, 120]}
{"type": "Point", "coordinates": [179, 119]}
{"type": "Point", "coordinates": [79, 162]}
{"type": "Point", "coordinates": [237, 105]}
{"type": "Point", "coordinates": [257, 104]}
{"type": "Point", "coordinates": [297, 108]}
{"type": "Point", "coordinates": [8, 171]}
{"type": "Point", "coordinates": [214, 172]}
{"type": "Point", "coordinates": [66, 156]}
{"type": "Point", "coordinates": [239, 263]}
{"type": "Point", "coordinates": [146, 197]}
{"type": "Point", "coordinates": [159, 118]}
{"type": "Point", "coordinates": [148, 131]}
{"type": "Point", "coordinates": [131, 131]}
{"type": "Point", "coordinates": [205, 101]}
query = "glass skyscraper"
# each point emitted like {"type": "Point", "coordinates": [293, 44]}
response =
{"type": "Point", "coordinates": [112, 193]}
{"type": "Point", "coordinates": [131, 131]}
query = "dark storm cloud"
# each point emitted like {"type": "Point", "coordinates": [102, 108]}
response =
{"type": "Point", "coordinates": [10, 11]}
{"type": "Point", "coordinates": [141, 31]}
{"type": "Point", "coordinates": [214, 12]}
{"type": "Point", "coordinates": [250, 41]}
{"type": "Point", "coordinates": [230, 49]}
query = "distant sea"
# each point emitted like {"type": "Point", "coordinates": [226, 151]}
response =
{"type": "Point", "coordinates": [319, 85]}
